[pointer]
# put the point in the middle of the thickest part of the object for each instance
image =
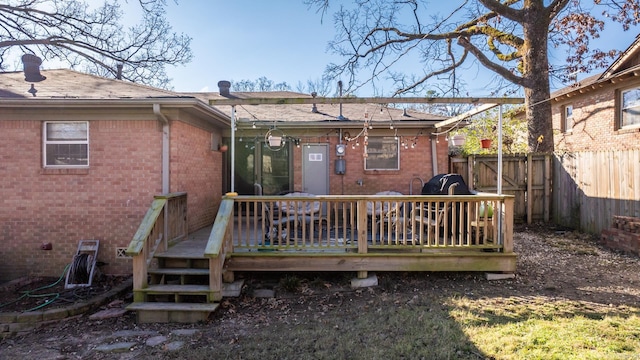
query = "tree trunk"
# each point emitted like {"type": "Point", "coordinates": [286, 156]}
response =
{"type": "Point", "coordinates": [536, 79]}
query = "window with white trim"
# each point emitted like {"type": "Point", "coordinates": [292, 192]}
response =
{"type": "Point", "coordinates": [630, 108]}
{"type": "Point", "coordinates": [567, 121]}
{"type": "Point", "coordinates": [66, 144]}
{"type": "Point", "coordinates": [382, 153]}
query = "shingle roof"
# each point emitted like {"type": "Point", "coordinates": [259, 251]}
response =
{"type": "Point", "coordinates": [64, 83]}
{"type": "Point", "coordinates": [69, 84]}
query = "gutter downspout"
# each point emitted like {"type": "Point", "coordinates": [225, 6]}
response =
{"type": "Point", "coordinates": [165, 147]}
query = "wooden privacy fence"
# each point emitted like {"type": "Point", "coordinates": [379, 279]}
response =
{"type": "Point", "coordinates": [592, 187]}
{"type": "Point", "coordinates": [527, 177]}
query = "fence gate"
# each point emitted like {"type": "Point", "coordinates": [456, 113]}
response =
{"type": "Point", "coordinates": [526, 177]}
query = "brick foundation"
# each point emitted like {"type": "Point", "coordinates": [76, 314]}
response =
{"type": "Point", "coordinates": [623, 235]}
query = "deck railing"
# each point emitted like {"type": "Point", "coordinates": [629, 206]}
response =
{"type": "Point", "coordinates": [364, 223]}
{"type": "Point", "coordinates": [165, 222]}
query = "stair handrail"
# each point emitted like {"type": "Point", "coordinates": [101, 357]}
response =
{"type": "Point", "coordinates": [220, 243]}
{"type": "Point", "coordinates": [147, 225]}
{"type": "Point", "coordinates": [159, 223]}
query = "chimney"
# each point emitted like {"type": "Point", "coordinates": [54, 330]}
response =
{"type": "Point", "coordinates": [224, 87]}
{"type": "Point", "coordinates": [32, 68]}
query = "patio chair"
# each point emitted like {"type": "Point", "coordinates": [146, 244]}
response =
{"type": "Point", "coordinates": [428, 218]}
{"type": "Point", "coordinates": [276, 225]}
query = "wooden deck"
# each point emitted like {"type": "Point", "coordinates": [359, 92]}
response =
{"type": "Point", "coordinates": [323, 233]}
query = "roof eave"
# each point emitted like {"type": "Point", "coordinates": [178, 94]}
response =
{"type": "Point", "coordinates": [191, 104]}
{"type": "Point", "coordinates": [621, 77]}
{"type": "Point", "coordinates": [420, 124]}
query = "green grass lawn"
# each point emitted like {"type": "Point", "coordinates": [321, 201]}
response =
{"type": "Point", "coordinates": [547, 328]}
{"type": "Point", "coordinates": [433, 326]}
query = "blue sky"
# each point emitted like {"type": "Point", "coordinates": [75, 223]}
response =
{"type": "Point", "coordinates": [283, 40]}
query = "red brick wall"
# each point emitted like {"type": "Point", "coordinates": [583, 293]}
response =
{"type": "Point", "coordinates": [594, 128]}
{"type": "Point", "coordinates": [198, 171]}
{"type": "Point", "coordinates": [62, 207]}
{"type": "Point", "coordinates": [623, 235]}
{"type": "Point", "coordinates": [105, 202]}
{"type": "Point", "coordinates": [415, 162]}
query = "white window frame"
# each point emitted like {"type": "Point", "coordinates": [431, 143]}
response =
{"type": "Point", "coordinates": [378, 146]}
{"type": "Point", "coordinates": [567, 119]}
{"type": "Point", "coordinates": [46, 141]}
{"type": "Point", "coordinates": [635, 105]}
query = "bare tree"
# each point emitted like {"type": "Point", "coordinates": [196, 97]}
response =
{"type": "Point", "coordinates": [321, 86]}
{"type": "Point", "coordinates": [260, 84]}
{"type": "Point", "coordinates": [509, 37]}
{"type": "Point", "coordinates": [93, 38]}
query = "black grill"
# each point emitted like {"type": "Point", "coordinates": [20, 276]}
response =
{"type": "Point", "coordinates": [439, 185]}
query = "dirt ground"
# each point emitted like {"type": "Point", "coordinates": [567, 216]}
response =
{"type": "Point", "coordinates": [551, 262]}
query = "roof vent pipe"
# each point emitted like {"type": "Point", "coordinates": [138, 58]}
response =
{"type": "Point", "coordinates": [224, 86]}
{"type": "Point", "coordinates": [340, 117]}
{"type": "Point", "coordinates": [119, 71]}
{"type": "Point", "coordinates": [314, 109]}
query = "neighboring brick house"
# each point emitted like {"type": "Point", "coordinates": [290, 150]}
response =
{"type": "Point", "coordinates": [597, 145]}
{"type": "Point", "coordinates": [601, 112]}
{"type": "Point", "coordinates": [82, 158]}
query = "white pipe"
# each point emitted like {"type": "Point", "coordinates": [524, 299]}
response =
{"type": "Point", "coordinates": [434, 156]}
{"type": "Point", "coordinates": [165, 147]}
{"type": "Point", "coordinates": [499, 184]}
{"type": "Point", "coordinates": [500, 150]}
{"type": "Point", "coordinates": [233, 148]}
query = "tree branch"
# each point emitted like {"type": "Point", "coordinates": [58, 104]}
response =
{"type": "Point", "coordinates": [500, 70]}
{"type": "Point", "coordinates": [504, 9]}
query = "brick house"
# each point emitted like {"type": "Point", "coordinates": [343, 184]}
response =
{"type": "Point", "coordinates": [597, 143]}
{"type": "Point", "coordinates": [83, 158]}
{"type": "Point", "coordinates": [601, 112]}
{"type": "Point", "coordinates": [401, 148]}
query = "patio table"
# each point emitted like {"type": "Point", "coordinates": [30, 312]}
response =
{"type": "Point", "coordinates": [299, 207]}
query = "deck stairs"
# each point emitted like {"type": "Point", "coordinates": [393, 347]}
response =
{"type": "Point", "coordinates": [178, 290]}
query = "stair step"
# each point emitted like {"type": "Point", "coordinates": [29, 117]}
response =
{"type": "Point", "coordinates": [196, 255]}
{"type": "Point", "coordinates": [177, 289]}
{"type": "Point", "coordinates": [165, 312]}
{"type": "Point", "coordinates": [179, 271]}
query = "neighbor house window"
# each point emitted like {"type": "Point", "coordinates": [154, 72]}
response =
{"type": "Point", "coordinates": [66, 144]}
{"type": "Point", "coordinates": [630, 108]}
{"type": "Point", "coordinates": [382, 153]}
{"type": "Point", "coordinates": [567, 121]}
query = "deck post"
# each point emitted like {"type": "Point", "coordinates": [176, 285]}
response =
{"type": "Point", "coordinates": [362, 233]}
{"type": "Point", "coordinates": [139, 277]}
{"type": "Point", "coordinates": [507, 225]}
{"type": "Point", "coordinates": [215, 279]}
